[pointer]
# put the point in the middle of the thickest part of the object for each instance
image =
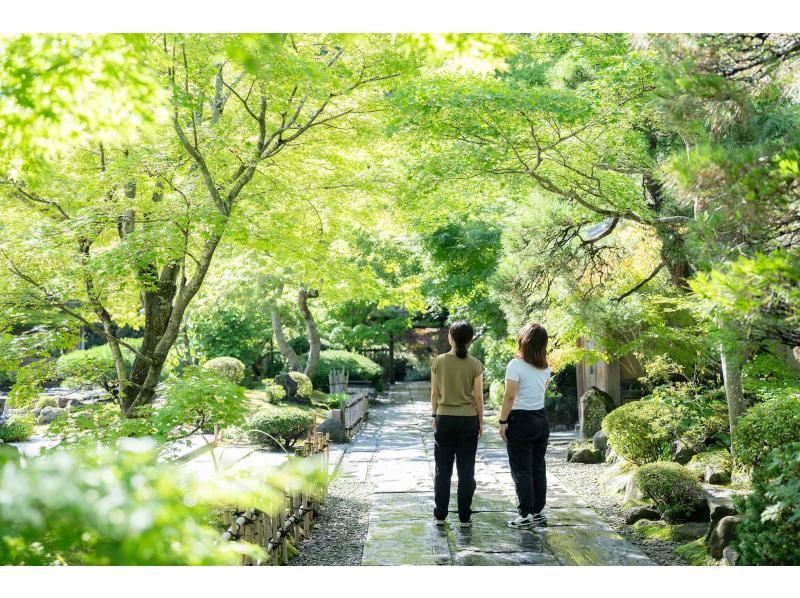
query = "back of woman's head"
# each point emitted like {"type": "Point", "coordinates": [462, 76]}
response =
{"type": "Point", "coordinates": [532, 344]}
{"type": "Point", "coordinates": [461, 332]}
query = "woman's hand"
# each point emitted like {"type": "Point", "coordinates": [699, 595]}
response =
{"type": "Point", "coordinates": [503, 432]}
{"type": "Point", "coordinates": [480, 429]}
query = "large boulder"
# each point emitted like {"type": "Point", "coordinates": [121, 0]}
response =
{"type": "Point", "coordinates": [722, 535]}
{"type": "Point", "coordinates": [719, 460]}
{"type": "Point", "coordinates": [681, 452]}
{"type": "Point", "coordinates": [632, 491]}
{"type": "Point", "coordinates": [600, 441]}
{"type": "Point", "coordinates": [729, 556]}
{"type": "Point", "coordinates": [637, 513]}
{"type": "Point", "coordinates": [615, 478]}
{"type": "Point", "coordinates": [586, 455]}
{"type": "Point", "coordinates": [595, 405]}
{"type": "Point", "coordinates": [334, 427]}
{"type": "Point", "coordinates": [48, 415]}
{"type": "Point", "coordinates": [716, 475]}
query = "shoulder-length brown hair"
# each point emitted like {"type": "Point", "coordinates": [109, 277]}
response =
{"type": "Point", "coordinates": [532, 344]}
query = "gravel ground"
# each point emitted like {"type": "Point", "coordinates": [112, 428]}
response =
{"type": "Point", "coordinates": [338, 535]}
{"type": "Point", "coordinates": [584, 480]}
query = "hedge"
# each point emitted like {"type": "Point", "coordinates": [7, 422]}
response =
{"type": "Point", "coordinates": [671, 487]}
{"type": "Point", "coordinates": [641, 431]}
{"type": "Point", "coordinates": [765, 427]}
{"type": "Point", "coordinates": [282, 426]}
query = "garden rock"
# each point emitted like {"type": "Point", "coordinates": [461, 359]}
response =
{"type": "Point", "coordinates": [594, 408]}
{"type": "Point", "coordinates": [723, 535]}
{"type": "Point", "coordinates": [585, 455]}
{"type": "Point", "coordinates": [334, 427]}
{"type": "Point", "coordinates": [634, 514]}
{"type": "Point", "coordinates": [632, 491]}
{"type": "Point", "coordinates": [716, 475]}
{"type": "Point", "coordinates": [718, 510]}
{"type": "Point", "coordinates": [600, 441]}
{"type": "Point", "coordinates": [729, 556]}
{"type": "Point", "coordinates": [681, 452]}
{"type": "Point", "coordinates": [719, 459]}
{"type": "Point", "coordinates": [48, 415]}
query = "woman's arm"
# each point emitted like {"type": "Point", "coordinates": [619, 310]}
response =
{"type": "Point", "coordinates": [508, 402]}
{"type": "Point", "coordinates": [477, 393]}
{"type": "Point", "coordinates": [434, 397]}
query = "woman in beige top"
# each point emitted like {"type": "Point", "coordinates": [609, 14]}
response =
{"type": "Point", "coordinates": [457, 409]}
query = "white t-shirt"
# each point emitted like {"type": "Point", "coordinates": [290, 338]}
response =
{"type": "Point", "coordinates": [531, 383]}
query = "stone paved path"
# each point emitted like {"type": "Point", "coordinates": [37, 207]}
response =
{"type": "Point", "coordinates": [393, 455]}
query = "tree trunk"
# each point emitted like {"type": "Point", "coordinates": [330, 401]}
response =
{"type": "Point", "coordinates": [285, 348]}
{"type": "Point", "coordinates": [732, 360]}
{"type": "Point", "coordinates": [314, 342]}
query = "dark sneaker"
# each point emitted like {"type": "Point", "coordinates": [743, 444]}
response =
{"type": "Point", "coordinates": [539, 520]}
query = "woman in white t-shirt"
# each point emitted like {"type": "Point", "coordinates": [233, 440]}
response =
{"type": "Point", "coordinates": [524, 425]}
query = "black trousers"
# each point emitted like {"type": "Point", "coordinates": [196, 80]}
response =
{"type": "Point", "coordinates": [528, 433]}
{"type": "Point", "coordinates": [456, 439]}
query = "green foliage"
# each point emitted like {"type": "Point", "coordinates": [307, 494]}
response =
{"type": "Point", "coordinates": [16, 428]}
{"type": "Point", "coordinates": [122, 506]}
{"type": "Point", "coordinates": [765, 427]}
{"type": "Point", "coordinates": [561, 409]}
{"type": "Point", "coordinates": [720, 458]}
{"type": "Point", "coordinates": [496, 392]}
{"type": "Point", "coordinates": [673, 489]}
{"type": "Point", "coordinates": [335, 400]}
{"type": "Point", "coordinates": [93, 367]}
{"type": "Point", "coordinates": [641, 431]}
{"type": "Point", "coordinates": [100, 424]}
{"type": "Point", "coordinates": [197, 399]}
{"type": "Point", "coordinates": [703, 413]}
{"type": "Point", "coordinates": [304, 385]}
{"type": "Point", "coordinates": [359, 366]}
{"type": "Point", "coordinates": [279, 426]}
{"type": "Point", "coordinates": [695, 553]}
{"type": "Point", "coordinates": [767, 376]}
{"type": "Point", "coordinates": [45, 401]}
{"type": "Point", "coordinates": [770, 526]}
{"type": "Point", "coordinates": [274, 392]}
{"type": "Point", "coordinates": [227, 367]}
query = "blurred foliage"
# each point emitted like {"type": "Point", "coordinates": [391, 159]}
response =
{"type": "Point", "coordinates": [121, 506]}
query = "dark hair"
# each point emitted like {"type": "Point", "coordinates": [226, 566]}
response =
{"type": "Point", "coordinates": [532, 344]}
{"type": "Point", "coordinates": [462, 334]}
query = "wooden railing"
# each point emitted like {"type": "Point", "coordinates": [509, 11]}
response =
{"type": "Point", "coordinates": [354, 411]}
{"type": "Point", "coordinates": [293, 522]}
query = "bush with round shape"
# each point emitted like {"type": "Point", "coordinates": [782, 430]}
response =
{"type": "Point", "coordinates": [769, 533]}
{"type": "Point", "coordinates": [279, 426]}
{"type": "Point", "coordinates": [359, 367]}
{"type": "Point", "coordinates": [45, 401]}
{"type": "Point", "coordinates": [229, 367]}
{"type": "Point", "coordinates": [641, 431]}
{"type": "Point", "coordinates": [765, 427]}
{"type": "Point", "coordinates": [671, 487]}
{"type": "Point", "coordinates": [496, 391]}
{"type": "Point", "coordinates": [17, 428]}
{"type": "Point", "coordinates": [274, 392]}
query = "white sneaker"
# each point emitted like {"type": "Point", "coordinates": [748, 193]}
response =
{"type": "Point", "coordinates": [465, 523]}
{"type": "Point", "coordinates": [520, 522]}
{"type": "Point", "coordinates": [439, 522]}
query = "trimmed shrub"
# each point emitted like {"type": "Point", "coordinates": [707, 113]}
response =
{"type": "Point", "coordinates": [17, 428]}
{"type": "Point", "coordinates": [671, 487]}
{"type": "Point", "coordinates": [304, 385]}
{"type": "Point", "coordinates": [765, 427]}
{"type": "Point", "coordinates": [360, 368]}
{"type": "Point", "coordinates": [496, 391]}
{"type": "Point", "coordinates": [770, 527]}
{"type": "Point", "coordinates": [641, 431]}
{"type": "Point", "coordinates": [703, 414]}
{"type": "Point", "coordinates": [281, 427]}
{"type": "Point", "coordinates": [227, 367]}
{"type": "Point", "coordinates": [274, 392]}
{"type": "Point", "coordinates": [297, 387]}
{"type": "Point", "coordinates": [45, 401]}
